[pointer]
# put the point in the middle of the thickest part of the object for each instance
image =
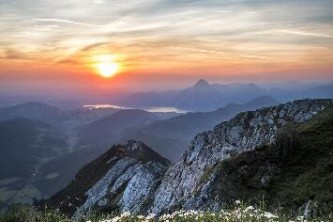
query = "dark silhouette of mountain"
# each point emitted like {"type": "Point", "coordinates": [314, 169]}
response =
{"type": "Point", "coordinates": [32, 110]}
{"type": "Point", "coordinates": [108, 130]}
{"type": "Point", "coordinates": [171, 137]}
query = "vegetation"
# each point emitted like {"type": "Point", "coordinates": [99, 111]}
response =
{"type": "Point", "coordinates": [19, 213]}
{"type": "Point", "coordinates": [240, 213]}
{"type": "Point", "coordinates": [289, 173]}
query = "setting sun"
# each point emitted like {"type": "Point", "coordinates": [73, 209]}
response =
{"type": "Point", "coordinates": [107, 70]}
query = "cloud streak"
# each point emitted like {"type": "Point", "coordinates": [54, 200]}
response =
{"type": "Point", "coordinates": [65, 21]}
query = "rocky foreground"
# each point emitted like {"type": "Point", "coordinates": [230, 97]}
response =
{"type": "Point", "coordinates": [244, 158]}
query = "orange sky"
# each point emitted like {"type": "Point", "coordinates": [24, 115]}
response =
{"type": "Point", "coordinates": [163, 44]}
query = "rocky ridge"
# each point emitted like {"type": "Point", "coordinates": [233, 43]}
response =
{"type": "Point", "coordinates": [131, 185]}
{"type": "Point", "coordinates": [245, 132]}
{"type": "Point", "coordinates": [124, 178]}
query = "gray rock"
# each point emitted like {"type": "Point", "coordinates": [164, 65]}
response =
{"type": "Point", "coordinates": [128, 185]}
{"type": "Point", "coordinates": [245, 132]}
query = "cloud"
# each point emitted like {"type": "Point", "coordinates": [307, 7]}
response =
{"type": "Point", "coordinates": [302, 33]}
{"type": "Point", "coordinates": [13, 54]}
{"type": "Point", "coordinates": [66, 22]}
{"type": "Point", "coordinates": [175, 31]}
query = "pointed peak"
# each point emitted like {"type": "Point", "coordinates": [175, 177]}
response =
{"type": "Point", "coordinates": [201, 83]}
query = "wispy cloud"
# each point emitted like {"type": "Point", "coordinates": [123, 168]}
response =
{"type": "Point", "coordinates": [185, 31]}
{"type": "Point", "coordinates": [301, 33]}
{"type": "Point", "coordinates": [65, 21]}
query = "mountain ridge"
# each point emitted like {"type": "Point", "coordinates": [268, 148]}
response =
{"type": "Point", "coordinates": [244, 133]}
{"type": "Point", "coordinates": [126, 158]}
{"type": "Point", "coordinates": [167, 135]}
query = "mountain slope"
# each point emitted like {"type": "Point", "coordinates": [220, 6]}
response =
{"type": "Point", "coordinates": [32, 110]}
{"type": "Point", "coordinates": [293, 172]}
{"type": "Point", "coordinates": [109, 130]}
{"type": "Point", "coordinates": [171, 137]}
{"type": "Point", "coordinates": [322, 91]}
{"type": "Point", "coordinates": [24, 145]}
{"type": "Point", "coordinates": [244, 132]}
{"type": "Point", "coordinates": [123, 169]}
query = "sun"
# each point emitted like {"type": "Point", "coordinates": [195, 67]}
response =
{"type": "Point", "coordinates": [105, 65]}
{"type": "Point", "coordinates": [107, 69]}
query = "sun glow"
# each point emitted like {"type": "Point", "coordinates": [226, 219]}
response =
{"type": "Point", "coordinates": [105, 65]}
{"type": "Point", "coordinates": [107, 70]}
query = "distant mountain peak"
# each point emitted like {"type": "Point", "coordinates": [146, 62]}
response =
{"type": "Point", "coordinates": [263, 101]}
{"type": "Point", "coordinates": [201, 83]}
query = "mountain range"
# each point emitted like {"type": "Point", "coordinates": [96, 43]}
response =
{"type": "Point", "coordinates": [203, 96]}
{"type": "Point", "coordinates": [171, 137]}
{"type": "Point", "coordinates": [282, 152]}
{"type": "Point", "coordinates": [43, 147]}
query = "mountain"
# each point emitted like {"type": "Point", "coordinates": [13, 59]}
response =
{"type": "Point", "coordinates": [103, 132]}
{"type": "Point", "coordinates": [24, 145]}
{"type": "Point", "coordinates": [124, 169]}
{"type": "Point", "coordinates": [32, 110]}
{"type": "Point", "coordinates": [294, 172]}
{"type": "Point", "coordinates": [245, 132]}
{"type": "Point", "coordinates": [201, 84]}
{"type": "Point", "coordinates": [323, 91]}
{"type": "Point", "coordinates": [202, 96]}
{"type": "Point", "coordinates": [108, 130]}
{"type": "Point", "coordinates": [274, 149]}
{"type": "Point", "coordinates": [171, 137]}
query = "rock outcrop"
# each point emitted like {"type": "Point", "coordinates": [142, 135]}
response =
{"type": "Point", "coordinates": [124, 178]}
{"type": "Point", "coordinates": [245, 132]}
{"type": "Point", "coordinates": [130, 184]}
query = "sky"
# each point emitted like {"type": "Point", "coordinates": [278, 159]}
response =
{"type": "Point", "coordinates": [160, 44]}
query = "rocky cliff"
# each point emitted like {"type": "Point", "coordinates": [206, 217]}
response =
{"type": "Point", "coordinates": [245, 132]}
{"type": "Point", "coordinates": [143, 187]}
{"type": "Point", "coordinates": [124, 178]}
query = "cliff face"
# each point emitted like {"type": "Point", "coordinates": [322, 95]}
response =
{"type": "Point", "coordinates": [127, 186]}
{"type": "Point", "coordinates": [139, 184]}
{"type": "Point", "coordinates": [245, 132]}
{"type": "Point", "coordinates": [294, 172]}
{"type": "Point", "coordinates": [124, 178]}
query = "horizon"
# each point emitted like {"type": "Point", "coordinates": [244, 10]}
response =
{"type": "Point", "coordinates": [100, 46]}
{"type": "Point", "coordinates": [82, 92]}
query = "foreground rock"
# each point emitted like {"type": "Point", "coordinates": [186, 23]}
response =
{"type": "Point", "coordinates": [245, 132]}
{"type": "Point", "coordinates": [124, 178]}
{"type": "Point", "coordinates": [201, 179]}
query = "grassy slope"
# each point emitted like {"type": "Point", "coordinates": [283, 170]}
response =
{"type": "Point", "coordinates": [298, 168]}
